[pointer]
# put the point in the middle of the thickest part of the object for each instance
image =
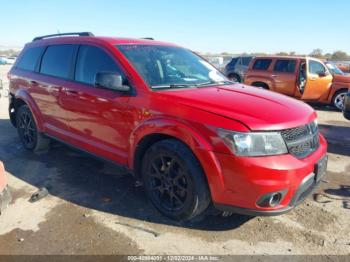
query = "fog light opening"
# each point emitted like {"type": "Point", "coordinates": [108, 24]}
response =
{"type": "Point", "coordinates": [275, 199]}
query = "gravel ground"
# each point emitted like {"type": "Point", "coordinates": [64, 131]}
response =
{"type": "Point", "coordinates": [95, 208]}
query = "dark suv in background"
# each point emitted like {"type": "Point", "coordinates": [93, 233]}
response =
{"type": "Point", "coordinates": [235, 70]}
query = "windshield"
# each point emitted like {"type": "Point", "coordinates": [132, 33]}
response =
{"type": "Point", "coordinates": [334, 69]}
{"type": "Point", "coordinates": [171, 67]}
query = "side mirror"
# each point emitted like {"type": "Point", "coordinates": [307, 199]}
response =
{"type": "Point", "coordinates": [111, 80]}
{"type": "Point", "coordinates": [322, 73]}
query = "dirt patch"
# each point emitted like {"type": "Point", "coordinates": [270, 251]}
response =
{"type": "Point", "coordinates": [67, 230]}
{"type": "Point", "coordinates": [313, 217]}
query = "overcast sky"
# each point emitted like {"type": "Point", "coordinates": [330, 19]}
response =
{"type": "Point", "coordinates": [206, 26]}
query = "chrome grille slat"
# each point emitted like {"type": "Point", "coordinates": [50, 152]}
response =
{"type": "Point", "coordinates": [301, 141]}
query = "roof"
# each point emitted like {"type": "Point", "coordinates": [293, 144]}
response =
{"type": "Point", "coordinates": [98, 39]}
{"type": "Point", "coordinates": [287, 57]}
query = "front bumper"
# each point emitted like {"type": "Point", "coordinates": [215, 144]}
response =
{"type": "Point", "coordinates": [307, 187]}
{"type": "Point", "coordinates": [238, 183]}
{"type": "Point", "coordinates": [5, 198]}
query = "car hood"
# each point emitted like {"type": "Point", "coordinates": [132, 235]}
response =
{"type": "Point", "coordinates": [341, 78]}
{"type": "Point", "coordinates": [256, 108]}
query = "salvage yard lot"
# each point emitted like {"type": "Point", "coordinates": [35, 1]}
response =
{"type": "Point", "coordinates": [95, 208]}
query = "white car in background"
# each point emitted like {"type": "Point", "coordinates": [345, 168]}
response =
{"type": "Point", "coordinates": [10, 60]}
{"type": "Point", "coordinates": [2, 61]}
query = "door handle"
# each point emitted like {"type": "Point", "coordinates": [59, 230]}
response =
{"type": "Point", "coordinates": [273, 75]}
{"type": "Point", "coordinates": [34, 83]}
{"type": "Point", "coordinates": [70, 92]}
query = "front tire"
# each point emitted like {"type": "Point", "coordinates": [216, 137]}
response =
{"type": "Point", "coordinates": [174, 180]}
{"type": "Point", "coordinates": [28, 131]}
{"type": "Point", "coordinates": [338, 99]}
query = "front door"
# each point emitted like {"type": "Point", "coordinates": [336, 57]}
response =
{"type": "Point", "coordinates": [318, 82]}
{"type": "Point", "coordinates": [99, 119]}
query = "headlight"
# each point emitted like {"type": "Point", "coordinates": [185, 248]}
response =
{"type": "Point", "coordinates": [254, 143]}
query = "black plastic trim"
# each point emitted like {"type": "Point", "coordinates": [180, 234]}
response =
{"type": "Point", "coordinates": [252, 212]}
{"type": "Point", "coordinates": [63, 34]}
{"type": "Point", "coordinates": [95, 156]}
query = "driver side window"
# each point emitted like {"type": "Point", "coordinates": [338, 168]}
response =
{"type": "Point", "coordinates": [92, 60]}
{"type": "Point", "coordinates": [316, 68]}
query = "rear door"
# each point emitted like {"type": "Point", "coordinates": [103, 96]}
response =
{"type": "Point", "coordinates": [56, 72]}
{"type": "Point", "coordinates": [99, 119]}
{"type": "Point", "coordinates": [318, 82]}
{"type": "Point", "coordinates": [284, 76]}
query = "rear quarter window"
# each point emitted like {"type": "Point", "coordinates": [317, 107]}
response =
{"type": "Point", "coordinates": [30, 58]}
{"type": "Point", "coordinates": [262, 64]}
{"type": "Point", "coordinates": [58, 61]}
{"type": "Point", "coordinates": [285, 66]}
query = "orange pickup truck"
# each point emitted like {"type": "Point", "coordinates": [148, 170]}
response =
{"type": "Point", "coordinates": [304, 78]}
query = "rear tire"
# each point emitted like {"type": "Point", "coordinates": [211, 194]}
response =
{"type": "Point", "coordinates": [234, 78]}
{"type": "Point", "coordinates": [174, 180]}
{"type": "Point", "coordinates": [28, 131]}
{"type": "Point", "coordinates": [338, 99]}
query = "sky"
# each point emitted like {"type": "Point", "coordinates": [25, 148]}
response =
{"type": "Point", "coordinates": [216, 26]}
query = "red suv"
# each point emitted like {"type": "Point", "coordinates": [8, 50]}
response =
{"type": "Point", "coordinates": [172, 119]}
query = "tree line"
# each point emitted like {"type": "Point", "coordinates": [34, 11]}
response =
{"type": "Point", "coordinates": [317, 53]}
{"type": "Point", "coordinates": [9, 52]}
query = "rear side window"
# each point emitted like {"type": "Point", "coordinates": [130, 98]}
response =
{"type": "Point", "coordinates": [92, 60]}
{"type": "Point", "coordinates": [246, 60]}
{"type": "Point", "coordinates": [285, 66]}
{"type": "Point", "coordinates": [262, 64]}
{"type": "Point", "coordinates": [30, 58]}
{"type": "Point", "coordinates": [57, 61]}
{"type": "Point", "coordinates": [233, 61]}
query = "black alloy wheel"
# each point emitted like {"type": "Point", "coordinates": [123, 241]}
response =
{"type": "Point", "coordinates": [26, 128]}
{"type": "Point", "coordinates": [174, 180]}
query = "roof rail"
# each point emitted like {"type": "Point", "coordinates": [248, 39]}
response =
{"type": "Point", "coordinates": [148, 38]}
{"type": "Point", "coordinates": [63, 34]}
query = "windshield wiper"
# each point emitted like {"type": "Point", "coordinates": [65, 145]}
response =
{"type": "Point", "coordinates": [224, 82]}
{"type": "Point", "coordinates": [192, 85]}
{"type": "Point", "coordinates": [171, 86]}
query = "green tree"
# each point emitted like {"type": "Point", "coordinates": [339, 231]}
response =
{"type": "Point", "coordinates": [340, 56]}
{"type": "Point", "coordinates": [282, 53]}
{"type": "Point", "coordinates": [318, 53]}
{"type": "Point", "coordinates": [328, 56]}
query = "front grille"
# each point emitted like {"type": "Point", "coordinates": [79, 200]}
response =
{"type": "Point", "coordinates": [302, 141]}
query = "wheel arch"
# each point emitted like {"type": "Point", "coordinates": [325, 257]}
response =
{"type": "Point", "coordinates": [156, 130]}
{"type": "Point", "coordinates": [261, 84]}
{"type": "Point", "coordinates": [233, 73]}
{"type": "Point", "coordinates": [21, 97]}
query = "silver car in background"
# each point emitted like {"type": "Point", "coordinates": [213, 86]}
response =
{"type": "Point", "coordinates": [235, 70]}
